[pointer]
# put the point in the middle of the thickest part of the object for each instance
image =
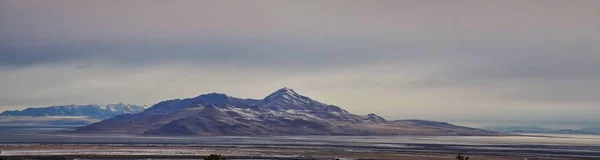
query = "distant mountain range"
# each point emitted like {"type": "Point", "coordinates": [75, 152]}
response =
{"type": "Point", "coordinates": [536, 129]}
{"type": "Point", "coordinates": [284, 112]}
{"type": "Point", "coordinates": [67, 115]}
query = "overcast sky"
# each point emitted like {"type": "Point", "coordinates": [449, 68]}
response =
{"type": "Point", "coordinates": [471, 62]}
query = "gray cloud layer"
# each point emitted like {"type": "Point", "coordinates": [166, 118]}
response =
{"type": "Point", "coordinates": [481, 58]}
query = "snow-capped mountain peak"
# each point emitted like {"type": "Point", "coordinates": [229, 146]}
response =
{"type": "Point", "coordinates": [287, 98]}
{"type": "Point", "coordinates": [284, 92]}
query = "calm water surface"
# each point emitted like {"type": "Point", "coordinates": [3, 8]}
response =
{"type": "Point", "coordinates": [48, 135]}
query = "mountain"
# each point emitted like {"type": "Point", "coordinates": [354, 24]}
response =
{"type": "Point", "coordinates": [439, 125]}
{"type": "Point", "coordinates": [66, 115]}
{"type": "Point", "coordinates": [92, 110]}
{"type": "Point", "coordinates": [529, 129]}
{"type": "Point", "coordinates": [535, 129]}
{"type": "Point", "coordinates": [591, 130]}
{"type": "Point", "coordinates": [284, 112]}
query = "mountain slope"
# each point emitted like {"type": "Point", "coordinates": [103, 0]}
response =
{"type": "Point", "coordinates": [284, 112]}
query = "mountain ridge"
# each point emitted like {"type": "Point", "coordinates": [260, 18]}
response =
{"type": "Point", "coordinates": [92, 110]}
{"type": "Point", "coordinates": [536, 129]}
{"type": "Point", "coordinates": [283, 112]}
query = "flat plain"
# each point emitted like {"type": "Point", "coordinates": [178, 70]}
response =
{"type": "Point", "coordinates": [43, 144]}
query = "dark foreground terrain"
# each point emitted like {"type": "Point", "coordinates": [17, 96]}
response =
{"type": "Point", "coordinates": [413, 151]}
{"type": "Point", "coordinates": [65, 146]}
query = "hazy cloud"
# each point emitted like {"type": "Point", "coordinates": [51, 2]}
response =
{"type": "Point", "coordinates": [480, 58]}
